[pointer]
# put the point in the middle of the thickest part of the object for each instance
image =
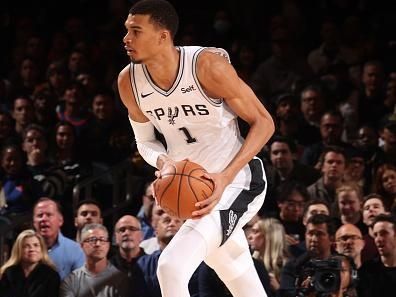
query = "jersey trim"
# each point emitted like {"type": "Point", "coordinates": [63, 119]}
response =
{"type": "Point", "coordinates": [133, 82]}
{"type": "Point", "coordinates": [229, 217]}
{"type": "Point", "coordinates": [175, 83]}
{"type": "Point", "coordinates": [212, 101]}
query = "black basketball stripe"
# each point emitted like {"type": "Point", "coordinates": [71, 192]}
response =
{"type": "Point", "coordinates": [230, 217]}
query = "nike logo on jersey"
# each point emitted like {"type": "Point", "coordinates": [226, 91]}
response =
{"type": "Point", "coordinates": [145, 95]}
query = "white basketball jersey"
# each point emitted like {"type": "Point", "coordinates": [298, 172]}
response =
{"type": "Point", "coordinates": [196, 127]}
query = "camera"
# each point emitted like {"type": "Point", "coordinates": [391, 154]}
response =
{"type": "Point", "coordinates": [324, 277]}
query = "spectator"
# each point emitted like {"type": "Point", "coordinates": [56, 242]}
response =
{"type": "Point", "coordinates": [312, 207]}
{"type": "Point", "coordinates": [64, 252]}
{"type": "Point", "coordinates": [18, 190]}
{"type": "Point", "coordinates": [128, 235]}
{"type": "Point", "coordinates": [349, 241]}
{"type": "Point", "coordinates": [98, 277]}
{"type": "Point", "coordinates": [367, 143]}
{"type": "Point", "coordinates": [44, 103]}
{"type": "Point", "coordinates": [66, 154]}
{"type": "Point", "coordinates": [379, 275]}
{"type": "Point", "coordinates": [35, 144]}
{"type": "Point", "coordinates": [74, 107]}
{"type": "Point", "coordinates": [145, 211]}
{"type": "Point", "coordinates": [7, 131]}
{"type": "Point", "coordinates": [312, 106]}
{"type": "Point", "coordinates": [315, 206]}
{"type": "Point", "coordinates": [372, 96]}
{"type": "Point", "coordinates": [23, 113]}
{"type": "Point", "coordinates": [88, 211]}
{"type": "Point", "coordinates": [151, 245]}
{"type": "Point", "coordinates": [282, 68]}
{"type": "Point", "coordinates": [282, 150]}
{"type": "Point", "coordinates": [291, 200]}
{"type": "Point", "coordinates": [287, 118]}
{"type": "Point", "coordinates": [373, 205]}
{"type": "Point", "coordinates": [349, 199]}
{"type": "Point", "coordinates": [385, 184]}
{"type": "Point", "coordinates": [331, 125]}
{"type": "Point", "coordinates": [26, 78]}
{"type": "Point", "coordinates": [267, 239]}
{"type": "Point", "coordinates": [388, 145]}
{"type": "Point", "coordinates": [333, 161]}
{"type": "Point", "coordinates": [319, 238]}
{"type": "Point", "coordinates": [57, 78]}
{"type": "Point", "coordinates": [29, 272]}
{"type": "Point", "coordinates": [321, 58]}
{"type": "Point", "coordinates": [356, 172]}
{"type": "Point", "coordinates": [166, 229]}
{"type": "Point", "coordinates": [106, 137]}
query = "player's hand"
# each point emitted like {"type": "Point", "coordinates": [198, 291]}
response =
{"type": "Point", "coordinates": [205, 206]}
{"type": "Point", "coordinates": [166, 165]}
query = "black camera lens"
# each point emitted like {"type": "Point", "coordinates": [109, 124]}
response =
{"type": "Point", "coordinates": [327, 280]}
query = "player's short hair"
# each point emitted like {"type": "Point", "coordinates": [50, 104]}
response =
{"type": "Point", "coordinates": [161, 12]}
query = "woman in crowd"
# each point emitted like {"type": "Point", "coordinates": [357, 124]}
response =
{"type": "Point", "coordinates": [267, 238]}
{"type": "Point", "coordinates": [385, 184]}
{"type": "Point", "coordinates": [29, 272]}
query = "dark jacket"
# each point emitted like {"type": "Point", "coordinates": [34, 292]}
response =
{"type": "Point", "coordinates": [43, 281]}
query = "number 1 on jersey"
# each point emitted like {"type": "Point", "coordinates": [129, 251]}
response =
{"type": "Point", "coordinates": [189, 139]}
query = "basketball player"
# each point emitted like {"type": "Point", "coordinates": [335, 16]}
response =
{"type": "Point", "coordinates": [192, 95]}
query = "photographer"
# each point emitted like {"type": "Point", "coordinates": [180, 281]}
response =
{"type": "Point", "coordinates": [319, 237]}
{"type": "Point", "coordinates": [335, 277]}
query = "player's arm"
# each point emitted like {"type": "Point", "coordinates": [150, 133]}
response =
{"type": "Point", "coordinates": [220, 80]}
{"type": "Point", "coordinates": [152, 150]}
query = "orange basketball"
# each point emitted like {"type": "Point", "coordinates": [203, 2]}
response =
{"type": "Point", "coordinates": [181, 187]}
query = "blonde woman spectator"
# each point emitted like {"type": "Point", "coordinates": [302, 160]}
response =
{"type": "Point", "coordinates": [267, 239]}
{"type": "Point", "coordinates": [29, 272]}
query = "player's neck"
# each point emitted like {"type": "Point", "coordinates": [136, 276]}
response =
{"type": "Point", "coordinates": [164, 67]}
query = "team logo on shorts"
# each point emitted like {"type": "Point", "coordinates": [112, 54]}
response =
{"type": "Point", "coordinates": [229, 219]}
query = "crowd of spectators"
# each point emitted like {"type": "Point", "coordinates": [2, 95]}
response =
{"type": "Point", "coordinates": [325, 69]}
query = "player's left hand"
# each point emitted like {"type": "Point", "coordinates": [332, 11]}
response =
{"type": "Point", "coordinates": [205, 206]}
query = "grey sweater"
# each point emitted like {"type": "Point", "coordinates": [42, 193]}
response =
{"type": "Point", "coordinates": [81, 283]}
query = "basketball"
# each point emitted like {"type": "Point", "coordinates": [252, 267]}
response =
{"type": "Point", "coordinates": [181, 187]}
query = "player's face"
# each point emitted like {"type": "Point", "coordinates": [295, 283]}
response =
{"type": "Point", "coordinates": [143, 38]}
